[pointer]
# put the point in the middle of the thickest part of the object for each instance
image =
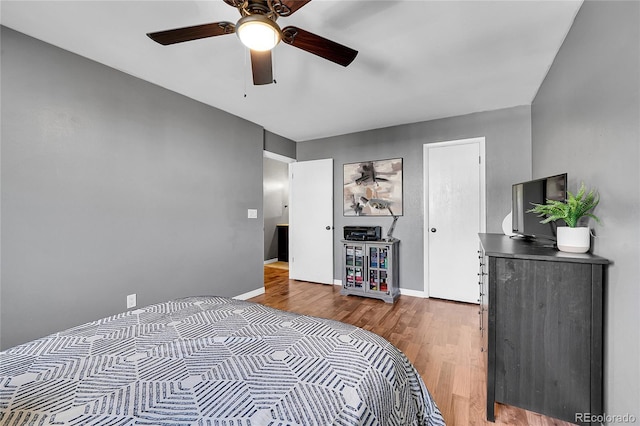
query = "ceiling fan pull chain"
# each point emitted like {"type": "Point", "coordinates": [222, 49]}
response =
{"type": "Point", "coordinates": [244, 72]}
{"type": "Point", "coordinates": [275, 65]}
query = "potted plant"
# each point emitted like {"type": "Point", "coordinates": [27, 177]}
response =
{"type": "Point", "coordinates": [574, 237]}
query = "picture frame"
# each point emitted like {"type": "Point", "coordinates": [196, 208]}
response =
{"type": "Point", "coordinates": [373, 188]}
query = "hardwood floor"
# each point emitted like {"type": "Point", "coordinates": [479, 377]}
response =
{"type": "Point", "coordinates": [441, 338]}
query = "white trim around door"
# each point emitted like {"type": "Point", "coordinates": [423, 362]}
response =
{"type": "Point", "coordinates": [480, 142]}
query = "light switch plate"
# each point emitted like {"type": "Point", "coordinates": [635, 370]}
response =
{"type": "Point", "coordinates": [252, 213]}
{"type": "Point", "coordinates": [131, 301]}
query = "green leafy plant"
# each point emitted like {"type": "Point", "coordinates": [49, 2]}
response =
{"type": "Point", "coordinates": [571, 210]}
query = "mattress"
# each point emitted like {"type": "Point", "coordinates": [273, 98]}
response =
{"type": "Point", "coordinates": [212, 361]}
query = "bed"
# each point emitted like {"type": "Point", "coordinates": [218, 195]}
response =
{"type": "Point", "coordinates": [212, 361]}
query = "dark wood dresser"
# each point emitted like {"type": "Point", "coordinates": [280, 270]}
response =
{"type": "Point", "coordinates": [544, 334]}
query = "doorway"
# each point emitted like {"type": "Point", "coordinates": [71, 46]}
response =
{"type": "Point", "coordinates": [455, 212]}
{"type": "Point", "coordinates": [275, 190]}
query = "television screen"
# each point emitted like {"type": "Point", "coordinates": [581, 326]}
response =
{"type": "Point", "coordinates": [538, 191]}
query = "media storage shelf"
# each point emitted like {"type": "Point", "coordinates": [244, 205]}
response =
{"type": "Point", "coordinates": [370, 269]}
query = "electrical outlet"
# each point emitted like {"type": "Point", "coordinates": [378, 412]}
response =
{"type": "Point", "coordinates": [131, 301]}
{"type": "Point", "coordinates": [252, 213]}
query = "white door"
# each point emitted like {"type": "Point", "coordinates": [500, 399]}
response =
{"type": "Point", "coordinates": [454, 215]}
{"type": "Point", "coordinates": [311, 221]}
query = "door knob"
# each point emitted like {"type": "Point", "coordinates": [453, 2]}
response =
{"type": "Point", "coordinates": [328, 228]}
{"type": "Point", "coordinates": [433, 229]}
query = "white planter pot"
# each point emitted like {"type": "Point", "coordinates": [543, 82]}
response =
{"type": "Point", "coordinates": [573, 240]}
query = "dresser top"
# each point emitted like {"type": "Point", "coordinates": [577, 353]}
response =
{"type": "Point", "coordinates": [500, 245]}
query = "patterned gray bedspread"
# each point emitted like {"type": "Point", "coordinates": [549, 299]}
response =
{"type": "Point", "coordinates": [212, 361]}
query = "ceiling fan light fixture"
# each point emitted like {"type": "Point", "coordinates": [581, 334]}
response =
{"type": "Point", "coordinates": [258, 32]}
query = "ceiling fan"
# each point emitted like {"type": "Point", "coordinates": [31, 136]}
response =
{"type": "Point", "coordinates": [258, 30]}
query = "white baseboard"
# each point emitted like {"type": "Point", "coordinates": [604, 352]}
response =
{"type": "Point", "coordinates": [268, 261]}
{"type": "Point", "coordinates": [413, 293]}
{"type": "Point", "coordinates": [250, 294]}
{"type": "Point", "coordinates": [337, 282]}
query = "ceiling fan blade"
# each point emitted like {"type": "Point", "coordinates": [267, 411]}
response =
{"type": "Point", "coordinates": [261, 67]}
{"type": "Point", "coordinates": [195, 32]}
{"type": "Point", "coordinates": [287, 7]}
{"type": "Point", "coordinates": [319, 46]}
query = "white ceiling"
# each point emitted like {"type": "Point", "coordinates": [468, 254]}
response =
{"type": "Point", "coordinates": [418, 60]}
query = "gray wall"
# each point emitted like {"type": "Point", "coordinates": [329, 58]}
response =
{"type": "Point", "coordinates": [276, 203]}
{"type": "Point", "coordinates": [112, 186]}
{"type": "Point", "coordinates": [586, 119]}
{"type": "Point", "coordinates": [508, 157]}
{"type": "Point", "coordinates": [279, 145]}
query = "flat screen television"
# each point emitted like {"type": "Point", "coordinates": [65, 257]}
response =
{"type": "Point", "coordinates": [538, 191]}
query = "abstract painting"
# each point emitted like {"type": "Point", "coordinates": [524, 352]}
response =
{"type": "Point", "coordinates": [373, 188]}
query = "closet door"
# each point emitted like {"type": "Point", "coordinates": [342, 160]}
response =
{"type": "Point", "coordinates": [454, 215]}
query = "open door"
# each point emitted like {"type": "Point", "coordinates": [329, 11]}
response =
{"type": "Point", "coordinates": [311, 221]}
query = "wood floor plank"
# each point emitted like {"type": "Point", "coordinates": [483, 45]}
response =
{"type": "Point", "coordinates": [441, 338]}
